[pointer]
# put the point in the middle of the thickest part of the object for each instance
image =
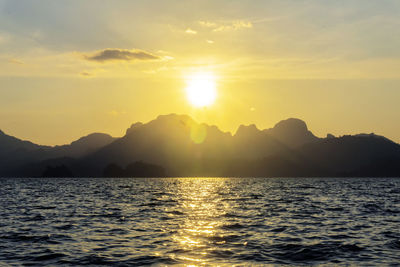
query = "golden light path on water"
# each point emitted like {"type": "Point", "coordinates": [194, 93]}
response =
{"type": "Point", "coordinates": [200, 233]}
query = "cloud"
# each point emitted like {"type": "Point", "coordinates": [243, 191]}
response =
{"type": "Point", "coordinates": [226, 26]}
{"type": "Point", "coordinates": [190, 31]}
{"type": "Point", "coordinates": [16, 61]}
{"type": "Point", "coordinates": [153, 71]}
{"type": "Point", "coordinates": [207, 24]}
{"type": "Point", "coordinates": [86, 74]}
{"type": "Point", "coordinates": [117, 113]}
{"type": "Point", "coordinates": [236, 25]}
{"type": "Point", "coordinates": [116, 54]}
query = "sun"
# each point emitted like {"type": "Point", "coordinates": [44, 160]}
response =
{"type": "Point", "coordinates": [201, 89]}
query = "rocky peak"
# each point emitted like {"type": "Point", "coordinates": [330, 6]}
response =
{"type": "Point", "coordinates": [292, 124]}
{"type": "Point", "coordinates": [292, 132]}
{"type": "Point", "coordinates": [133, 127]}
{"type": "Point", "coordinates": [247, 130]}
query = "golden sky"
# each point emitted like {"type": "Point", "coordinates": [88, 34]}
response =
{"type": "Point", "coordinates": [70, 68]}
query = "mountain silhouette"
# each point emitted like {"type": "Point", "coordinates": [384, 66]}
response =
{"type": "Point", "coordinates": [16, 154]}
{"type": "Point", "coordinates": [292, 132]}
{"type": "Point", "coordinates": [84, 145]}
{"type": "Point", "coordinates": [176, 145]}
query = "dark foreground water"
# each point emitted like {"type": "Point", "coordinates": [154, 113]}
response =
{"type": "Point", "coordinates": [133, 222]}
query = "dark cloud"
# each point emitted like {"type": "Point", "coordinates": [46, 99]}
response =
{"type": "Point", "coordinates": [86, 74]}
{"type": "Point", "coordinates": [114, 54]}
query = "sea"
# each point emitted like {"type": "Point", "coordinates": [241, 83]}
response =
{"type": "Point", "coordinates": [200, 221]}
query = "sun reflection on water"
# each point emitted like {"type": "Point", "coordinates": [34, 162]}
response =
{"type": "Point", "coordinates": [200, 233]}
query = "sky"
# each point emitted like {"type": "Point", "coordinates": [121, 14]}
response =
{"type": "Point", "coordinates": [70, 68]}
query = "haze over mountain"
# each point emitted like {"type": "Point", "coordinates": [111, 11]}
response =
{"type": "Point", "coordinates": [176, 145]}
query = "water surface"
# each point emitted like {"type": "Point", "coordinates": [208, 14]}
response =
{"type": "Point", "coordinates": [188, 221]}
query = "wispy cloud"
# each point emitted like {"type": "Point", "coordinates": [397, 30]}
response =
{"type": "Point", "coordinates": [116, 113]}
{"type": "Point", "coordinates": [207, 24]}
{"type": "Point", "coordinates": [116, 54]}
{"type": "Point", "coordinates": [226, 26]}
{"type": "Point", "coordinates": [236, 25]}
{"type": "Point", "coordinates": [16, 61]}
{"type": "Point", "coordinates": [190, 31]}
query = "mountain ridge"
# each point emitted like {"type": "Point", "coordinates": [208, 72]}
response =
{"type": "Point", "coordinates": [184, 147]}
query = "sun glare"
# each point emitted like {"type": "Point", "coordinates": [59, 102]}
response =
{"type": "Point", "coordinates": [201, 89]}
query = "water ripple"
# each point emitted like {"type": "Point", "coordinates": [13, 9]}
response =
{"type": "Point", "coordinates": [213, 221]}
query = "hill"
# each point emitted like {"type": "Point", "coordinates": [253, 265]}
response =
{"type": "Point", "coordinates": [176, 145]}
